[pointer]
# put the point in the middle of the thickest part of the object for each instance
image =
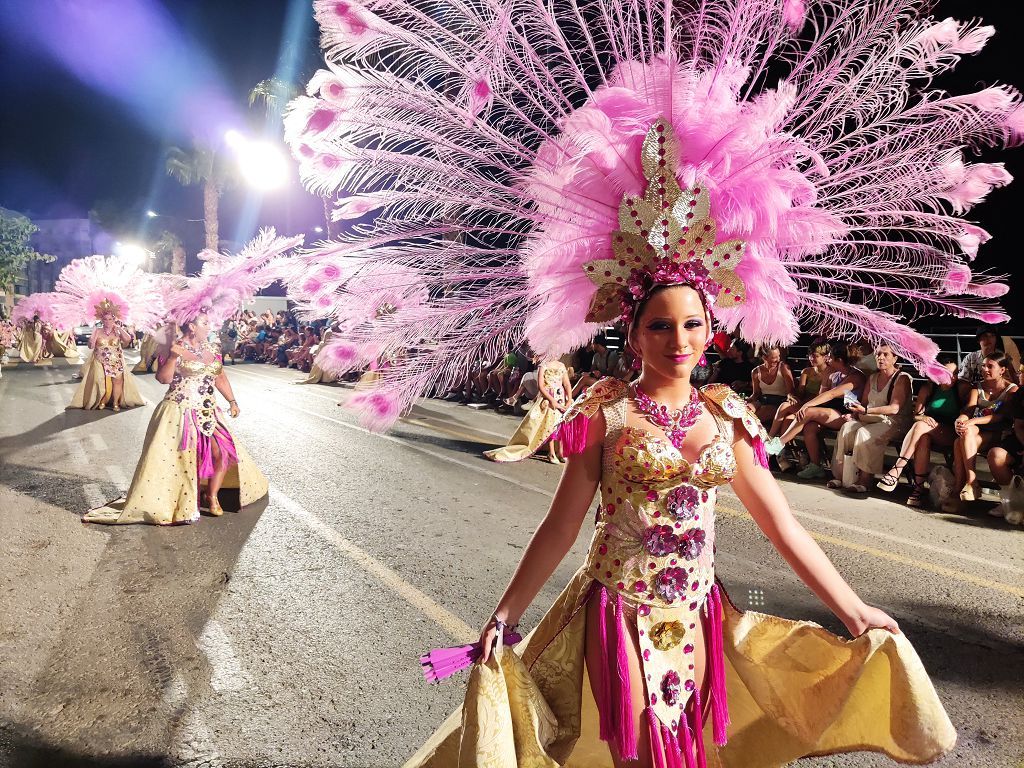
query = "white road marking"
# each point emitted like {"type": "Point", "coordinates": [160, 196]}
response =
{"type": "Point", "coordinates": [93, 495]}
{"type": "Point", "coordinates": [448, 621]}
{"type": "Point", "coordinates": [98, 443]}
{"type": "Point", "coordinates": [117, 476]}
{"type": "Point", "coordinates": [193, 740]}
{"type": "Point", "coordinates": [76, 453]}
{"type": "Point", "coordinates": [869, 532]}
{"type": "Point", "coordinates": [227, 674]}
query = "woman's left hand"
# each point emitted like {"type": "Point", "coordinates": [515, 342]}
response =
{"type": "Point", "coordinates": [234, 410]}
{"type": "Point", "coordinates": [869, 617]}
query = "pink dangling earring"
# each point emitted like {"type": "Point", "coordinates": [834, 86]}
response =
{"type": "Point", "coordinates": [636, 365]}
{"type": "Point", "coordinates": [703, 362]}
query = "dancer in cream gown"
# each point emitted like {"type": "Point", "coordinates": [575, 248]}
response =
{"type": "Point", "coordinates": [189, 454]}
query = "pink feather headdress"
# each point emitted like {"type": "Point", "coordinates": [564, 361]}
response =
{"type": "Point", "coordinates": [227, 282]}
{"type": "Point", "coordinates": [88, 288]}
{"type": "Point", "coordinates": [846, 183]}
{"type": "Point", "coordinates": [41, 304]}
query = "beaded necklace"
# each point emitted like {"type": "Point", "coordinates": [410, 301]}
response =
{"type": "Point", "coordinates": [675, 424]}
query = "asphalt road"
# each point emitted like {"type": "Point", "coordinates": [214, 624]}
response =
{"type": "Point", "coordinates": [287, 634]}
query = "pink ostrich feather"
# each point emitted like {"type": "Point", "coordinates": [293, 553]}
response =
{"type": "Point", "coordinates": [84, 283]}
{"type": "Point", "coordinates": [227, 282]}
{"type": "Point", "coordinates": [41, 304]}
{"type": "Point", "coordinates": [813, 125]}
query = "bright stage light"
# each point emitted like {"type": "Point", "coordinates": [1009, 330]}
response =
{"type": "Point", "coordinates": [261, 164]}
{"type": "Point", "coordinates": [131, 252]}
{"type": "Point", "coordinates": [152, 214]}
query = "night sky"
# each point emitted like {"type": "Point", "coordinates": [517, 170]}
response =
{"type": "Point", "coordinates": [66, 142]}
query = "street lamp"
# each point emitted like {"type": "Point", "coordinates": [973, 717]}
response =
{"type": "Point", "coordinates": [132, 253]}
{"type": "Point", "coordinates": [152, 214]}
{"type": "Point", "coordinates": [261, 164]}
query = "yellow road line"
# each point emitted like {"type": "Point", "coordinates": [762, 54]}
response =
{"type": "Point", "coordinates": [444, 618]}
{"type": "Point", "coordinates": [885, 554]}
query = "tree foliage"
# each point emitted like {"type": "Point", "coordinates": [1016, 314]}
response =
{"type": "Point", "coordinates": [15, 250]}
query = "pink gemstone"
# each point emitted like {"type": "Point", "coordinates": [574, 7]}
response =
{"type": "Point", "coordinates": [602, 550]}
{"type": "Point", "coordinates": [647, 654]}
{"type": "Point", "coordinates": [652, 495]}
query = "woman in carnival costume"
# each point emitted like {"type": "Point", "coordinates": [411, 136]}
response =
{"type": "Point", "coordinates": [116, 292]}
{"type": "Point", "coordinates": [537, 426]}
{"type": "Point", "coordinates": [593, 159]}
{"type": "Point", "coordinates": [190, 454]}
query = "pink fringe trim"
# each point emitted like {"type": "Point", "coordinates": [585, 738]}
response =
{"type": "Point", "coordinates": [716, 652]}
{"type": "Point", "coordinates": [604, 703]}
{"type": "Point", "coordinates": [697, 724]}
{"type": "Point", "coordinates": [687, 747]}
{"type": "Point", "coordinates": [191, 435]}
{"type": "Point", "coordinates": [760, 453]}
{"type": "Point", "coordinates": [573, 435]}
{"type": "Point", "coordinates": [626, 736]}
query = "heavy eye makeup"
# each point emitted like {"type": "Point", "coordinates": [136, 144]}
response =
{"type": "Point", "coordinates": [664, 325]}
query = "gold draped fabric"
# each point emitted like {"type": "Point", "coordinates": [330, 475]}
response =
{"type": "Point", "coordinates": [147, 351]}
{"type": "Point", "coordinates": [31, 345]}
{"type": "Point", "coordinates": [538, 423]}
{"type": "Point", "coordinates": [96, 389]}
{"type": "Point", "coordinates": [165, 487]}
{"type": "Point", "coordinates": [63, 345]}
{"type": "Point", "coordinates": [318, 375]}
{"type": "Point", "coordinates": [794, 689]}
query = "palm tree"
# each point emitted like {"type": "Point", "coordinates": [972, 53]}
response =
{"type": "Point", "coordinates": [275, 94]}
{"type": "Point", "coordinates": [169, 247]}
{"type": "Point", "coordinates": [203, 166]}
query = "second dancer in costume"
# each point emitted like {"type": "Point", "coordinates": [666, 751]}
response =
{"type": "Point", "coordinates": [189, 449]}
{"type": "Point", "coordinates": [553, 388]}
{"type": "Point", "coordinates": [106, 380]}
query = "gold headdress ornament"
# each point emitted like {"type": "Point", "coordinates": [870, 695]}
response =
{"type": "Point", "coordinates": [107, 306]}
{"type": "Point", "coordinates": [667, 237]}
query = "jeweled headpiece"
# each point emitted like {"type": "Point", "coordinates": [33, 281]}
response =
{"type": "Point", "coordinates": [667, 237]}
{"type": "Point", "coordinates": [107, 307]}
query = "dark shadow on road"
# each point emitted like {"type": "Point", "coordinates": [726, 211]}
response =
{"type": "Point", "coordinates": [42, 433]}
{"type": "Point", "coordinates": [19, 750]}
{"type": "Point", "coordinates": [129, 648]}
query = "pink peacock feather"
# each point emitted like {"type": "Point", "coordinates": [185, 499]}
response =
{"type": "Point", "coordinates": [488, 146]}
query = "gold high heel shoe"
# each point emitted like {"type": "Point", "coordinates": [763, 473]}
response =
{"type": "Point", "coordinates": [215, 508]}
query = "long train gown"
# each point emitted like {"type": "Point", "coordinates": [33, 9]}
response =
{"type": "Point", "coordinates": [790, 688]}
{"type": "Point", "coordinates": [318, 375]}
{"type": "Point", "coordinates": [31, 342]}
{"type": "Point", "coordinates": [62, 344]}
{"type": "Point", "coordinates": [538, 423]}
{"type": "Point", "coordinates": [104, 365]}
{"type": "Point", "coordinates": [177, 455]}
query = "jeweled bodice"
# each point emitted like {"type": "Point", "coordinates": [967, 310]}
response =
{"type": "Point", "coordinates": [108, 352]}
{"type": "Point", "coordinates": [655, 531]}
{"type": "Point", "coordinates": [192, 387]}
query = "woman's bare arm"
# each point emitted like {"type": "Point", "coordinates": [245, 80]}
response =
{"type": "Point", "coordinates": [556, 533]}
{"type": "Point", "coordinates": [760, 494]}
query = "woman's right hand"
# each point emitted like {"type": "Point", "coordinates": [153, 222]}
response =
{"type": "Point", "coordinates": [177, 349]}
{"type": "Point", "coordinates": [487, 637]}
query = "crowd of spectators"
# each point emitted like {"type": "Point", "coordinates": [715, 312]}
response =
{"type": "Point", "coordinates": [275, 339]}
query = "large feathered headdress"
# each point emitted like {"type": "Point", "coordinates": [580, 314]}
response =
{"type": "Point", "coordinates": [41, 304]}
{"type": "Point", "coordinates": [496, 148]}
{"type": "Point", "coordinates": [89, 288]}
{"type": "Point", "coordinates": [227, 282]}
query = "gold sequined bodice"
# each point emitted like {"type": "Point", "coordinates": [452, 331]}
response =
{"type": "Point", "coordinates": [655, 531]}
{"type": "Point", "coordinates": [193, 388]}
{"type": "Point", "coordinates": [108, 352]}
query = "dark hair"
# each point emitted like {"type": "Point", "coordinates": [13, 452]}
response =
{"type": "Point", "coordinates": [1001, 358]}
{"type": "Point", "coordinates": [840, 350]}
{"type": "Point", "coordinates": [642, 304]}
{"type": "Point", "coordinates": [984, 330]}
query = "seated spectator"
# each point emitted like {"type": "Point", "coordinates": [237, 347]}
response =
{"type": "Point", "coordinates": [862, 356]}
{"type": "Point", "coordinates": [970, 373]}
{"type": "Point", "coordinates": [301, 355]}
{"type": "Point", "coordinates": [808, 386]}
{"type": "Point", "coordinates": [771, 383]}
{"type": "Point", "coordinates": [881, 413]}
{"type": "Point", "coordinates": [979, 426]}
{"type": "Point", "coordinates": [1006, 459]}
{"type": "Point", "coordinates": [935, 410]}
{"type": "Point", "coordinates": [735, 368]}
{"type": "Point", "coordinates": [602, 363]}
{"type": "Point", "coordinates": [826, 410]}
{"type": "Point", "coordinates": [288, 339]}
{"type": "Point", "coordinates": [528, 387]}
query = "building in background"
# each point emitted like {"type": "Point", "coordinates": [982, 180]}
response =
{"type": "Point", "coordinates": [66, 240]}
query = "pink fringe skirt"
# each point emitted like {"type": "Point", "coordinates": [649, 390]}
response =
{"type": "Point", "coordinates": [679, 748]}
{"type": "Point", "coordinates": [192, 435]}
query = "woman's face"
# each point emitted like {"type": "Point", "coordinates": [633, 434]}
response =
{"type": "Point", "coordinates": [816, 359]}
{"type": "Point", "coordinates": [108, 321]}
{"type": "Point", "coordinates": [835, 364]}
{"type": "Point", "coordinates": [672, 332]}
{"type": "Point", "coordinates": [992, 371]}
{"type": "Point", "coordinates": [886, 358]}
{"type": "Point", "coordinates": [201, 326]}
{"type": "Point", "coordinates": [772, 357]}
